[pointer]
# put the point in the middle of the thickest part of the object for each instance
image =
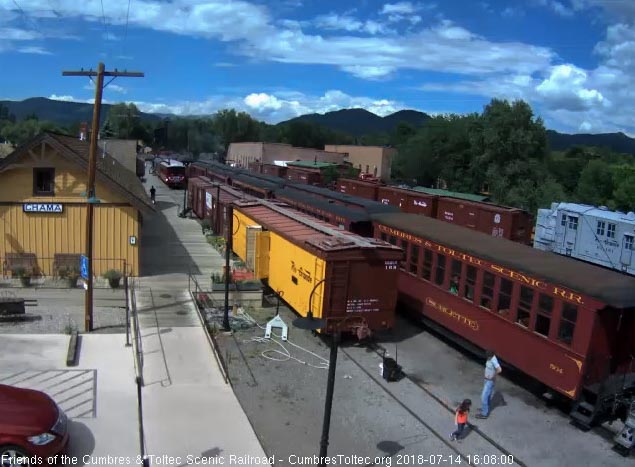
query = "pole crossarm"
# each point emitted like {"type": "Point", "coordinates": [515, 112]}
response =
{"type": "Point", "coordinates": [123, 74]}
{"type": "Point", "coordinates": [92, 168]}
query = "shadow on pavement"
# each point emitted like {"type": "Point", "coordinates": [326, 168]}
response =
{"type": "Point", "coordinates": [81, 441]}
{"type": "Point", "coordinates": [162, 252]}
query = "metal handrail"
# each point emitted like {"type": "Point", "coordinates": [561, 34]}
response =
{"type": "Point", "coordinates": [136, 334]}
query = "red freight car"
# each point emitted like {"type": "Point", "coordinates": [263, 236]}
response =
{"type": "Point", "coordinates": [334, 274]}
{"type": "Point", "coordinates": [568, 324]}
{"type": "Point", "coordinates": [304, 175]}
{"type": "Point", "coordinates": [410, 201]}
{"type": "Point", "coordinates": [196, 187]}
{"type": "Point", "coordinates": [254, 185]}
{"type": "Point", "coordinates": [497, 221]}
{"type": "Point", "coordinates": [274, 170]}
{"type": "Point", "coordinates": [215, 210]}
{"type": "Point", "coordinates": [359, 188]}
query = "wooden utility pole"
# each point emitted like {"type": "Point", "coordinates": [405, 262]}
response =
{"type": "Point", "coordinates": [91, 199]}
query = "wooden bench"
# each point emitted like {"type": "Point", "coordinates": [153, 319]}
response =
{"type": "Point", "coordinates": [68, 261]}
{"type": "Point", "coordinates": [13, 261]}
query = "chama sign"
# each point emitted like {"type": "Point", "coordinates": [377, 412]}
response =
{"type": "Point", "coordinates": [43, 207]}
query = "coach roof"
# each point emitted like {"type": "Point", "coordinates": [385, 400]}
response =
{"type": "Point", "coordinates": [613, 288]}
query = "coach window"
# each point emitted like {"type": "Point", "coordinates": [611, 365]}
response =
{"type": "Point", "coordinates": [414, 259]}
{"type": "Point", "coordinates": [610, 231]}
{"type": "Point", "coordinates": [470, 283]}
{"type": "Point", "coordinates": [392, 240]}
{"type": "Point", "coordinates": [505, 297]}
{"type": "Point", "coordinates": [543, 317]}
{"type": "Point", "coordinates": [404, 247]}
{"type": "Point", "coordinates": [601, 227]}
{"type": "Point", "coordinates": [383, 236]}
{"type": "Point", "coordinates": [426, 271]}
{"type": "Point", "coordinates": [524, 306]}
{"type": "Point", "coordinates": [563, 221]}
{"type": "Point", "coordinates": [487, 291]}
{"type": "Point", "coordinates": [455, 276]}
{"type": "Point", "coordinates": [567, 323]}
{"type": "Point", "coordinates": [439, 275]}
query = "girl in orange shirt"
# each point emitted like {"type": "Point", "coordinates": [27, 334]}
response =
{"type": "Point", "coordinates": [460, 419]}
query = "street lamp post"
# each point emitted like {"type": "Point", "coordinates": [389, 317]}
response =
{"type": "Point", "coordinates": [228, 248]}
{"type": "Point", "coordinates": [311, 323]}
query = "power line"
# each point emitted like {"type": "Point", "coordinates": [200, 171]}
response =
{"type": "Point", "coordinates": [103, 15]}
{"type": "Point", "coordinates": [125, 35]}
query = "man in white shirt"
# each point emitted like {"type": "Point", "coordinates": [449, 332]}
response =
{"type": "Point", "coordinates": [492, 369]}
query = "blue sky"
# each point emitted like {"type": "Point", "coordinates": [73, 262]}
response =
{"type": "Point", "coordinates": [572, 60]}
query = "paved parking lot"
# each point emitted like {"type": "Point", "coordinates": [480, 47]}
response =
{"type": "Point", "coordinates": [99, 394]}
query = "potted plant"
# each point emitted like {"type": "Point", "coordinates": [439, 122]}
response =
{"type": "Point", "coordinates": [114, 277]}
{"type": "Point", "coordinates": [72, 274]}
{"type": "Point", "coordinates": [23, 275]}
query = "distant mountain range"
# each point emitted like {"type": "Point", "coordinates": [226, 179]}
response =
{"type": "Point", "coordinates": [62, 112]}
{"type": "Point", "coordinates": [358, 122]}
{"type": "Point", "coordinates": [355, 122]}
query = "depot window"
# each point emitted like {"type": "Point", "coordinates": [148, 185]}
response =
{"type": "Point", "coordinates": [567, 323]}
{"type": "Point", "coordinates": [610, 231]}
{"type": "Point", "coordinates": [470, 283]}
{"type": "Point", "coordinates": [44, 182]}
{"type": "Point", "coordinates": [426, 271]}
{"type": "Point", "coordinates": [543, 317]}
{"type": "Point", "coordinates": [524, 306]}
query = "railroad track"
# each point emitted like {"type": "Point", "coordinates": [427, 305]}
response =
{"type": "Point", "coordinates": [497, 455]}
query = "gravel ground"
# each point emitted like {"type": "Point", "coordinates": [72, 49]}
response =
{"type": "Point", "coordinates": [284, 401]}
{"type": "Point", "coordinates": [58, 310]}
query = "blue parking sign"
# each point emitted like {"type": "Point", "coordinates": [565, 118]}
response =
{"type": "Point", "coordinates": [83, 267]}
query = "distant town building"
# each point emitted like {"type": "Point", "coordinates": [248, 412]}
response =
{"type": "Point", "coordinates": [242, 154]}
{"type": "Point", "coordinates": [373, 160]}
{"type": "Point", "coordinates": [123, 150]}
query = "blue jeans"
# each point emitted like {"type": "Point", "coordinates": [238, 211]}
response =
{"type": "Point", "coordinates": [488, 390]}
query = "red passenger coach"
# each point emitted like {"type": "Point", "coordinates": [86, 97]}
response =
{"type": "Point", "coordinates": [569, 325]}
{"type": "Point", "coordinates": [172, 173]}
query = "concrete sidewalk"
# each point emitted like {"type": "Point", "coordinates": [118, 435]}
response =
{"type": "Point", "coordinates": [190, 412]}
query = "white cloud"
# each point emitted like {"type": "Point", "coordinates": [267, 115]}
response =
{"type": "Point", "coordinates": [34, 50]}
{"type": "Point", "coordinates": [401, 8]}
{"type": "Point", "coordinates": [261, 101]}
{"type": "Point", "coordinates": [369, 72]}
{"type": "Point", "coordinates": [333, 21]}
{"type": "Point", "coordinates": [55, 97]}
{"type": "Point", "coordinates": [14, 34]}
{"type": "Point", "coordinates": [556, 6]}
{"type": "Point", "coordinates": [565, 88]}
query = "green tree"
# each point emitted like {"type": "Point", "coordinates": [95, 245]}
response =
{"type": "Point", "coordinates": [624, 188]}
{"type": "Point", "coordinates": [595, 185]}
{"type": "Point", "coordinates": [234, 127]}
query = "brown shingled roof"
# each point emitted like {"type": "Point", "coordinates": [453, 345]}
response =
{"type": "Point", "coordinates": [109, 170]}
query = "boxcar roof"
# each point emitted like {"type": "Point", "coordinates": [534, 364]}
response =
{"type": "Point", "coordinates": [353, 215]}
{"type": "Point", "coordinates": [302, 230]}
{"type": "Point", "coordinates": [451, 194]}
{"type": "Point", "coordinates": [254, 182]}
{"type": "Point", "coordinates": [369, 205]}
{"type": "Point", "coordinates": [612, 288]}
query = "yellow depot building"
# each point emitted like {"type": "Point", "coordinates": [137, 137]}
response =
{"type": "Point", "coordinates": [43, 209]}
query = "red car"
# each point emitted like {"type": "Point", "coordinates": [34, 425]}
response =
{"type": "Point", "coordinates": [32, 427]}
